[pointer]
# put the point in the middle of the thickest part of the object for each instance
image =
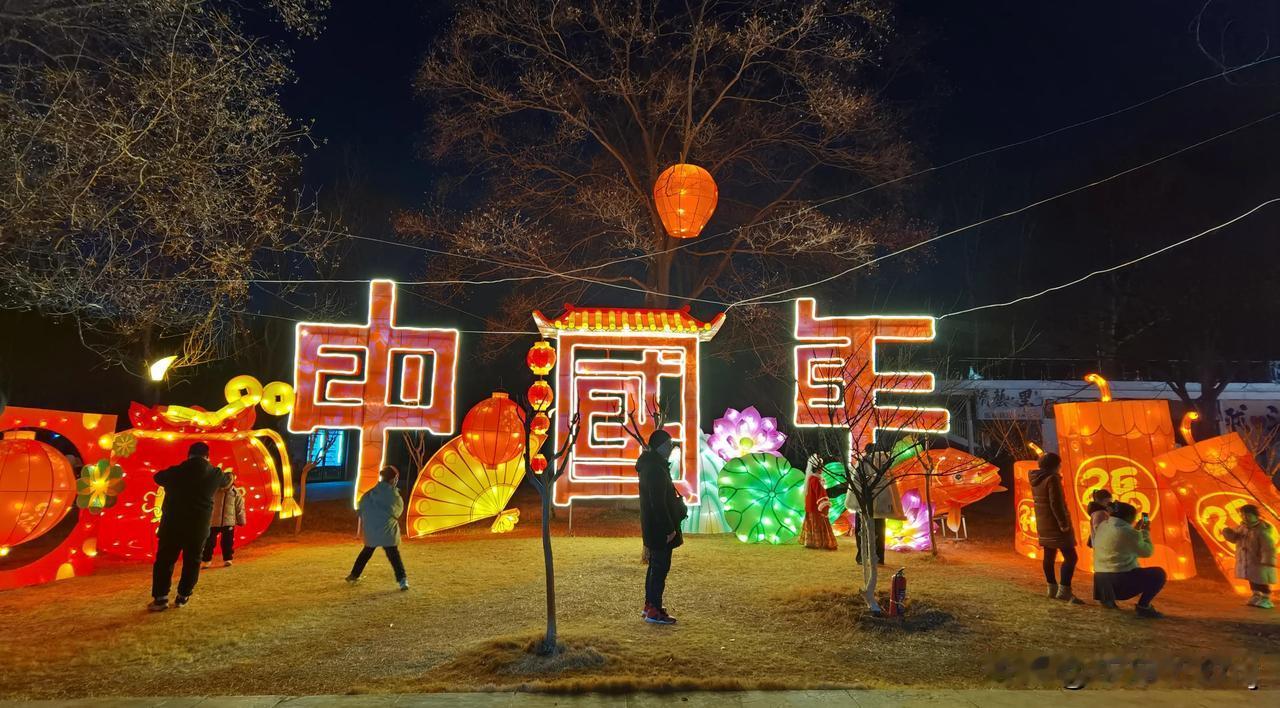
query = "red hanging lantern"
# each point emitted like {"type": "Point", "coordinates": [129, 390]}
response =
{"type": "Point", "coordinates": [492, 430]}
{"type": "Point", "coordinates": [541, 424]}
{"type": "Point", "coordinates": [37, 489]}
{"type": "Point", "coordinates": [540, 395]}
{"type": "Point", "coordinates": [541, 358]}
{"type": "Point", "coordinates": [685, 196]}
{"type": "Point", "coordinates": [538, 463]}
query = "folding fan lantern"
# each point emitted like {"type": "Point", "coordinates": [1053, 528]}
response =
{"type": "Point", "coordinates": [474, 475]}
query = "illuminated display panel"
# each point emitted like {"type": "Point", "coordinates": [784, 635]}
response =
{"type": "Point", "coordinates": [1114, 445]}
{"type": "Point", "coordinates": [372, 378]}
{"type": "Point", "coordinates": [840, 352]}
{"type": "Point", "coordinates": [616, 363]}
{"type": "Point", "coordinates": [1213, 479]}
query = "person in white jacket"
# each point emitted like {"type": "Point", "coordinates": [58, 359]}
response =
{"type": "Point", "coordinates": [228, 513]}
{"type": "Point", "coordinates": [1117, 546]}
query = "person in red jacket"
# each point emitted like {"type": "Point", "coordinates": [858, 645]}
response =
{"type": "Point", "coordinates": [816, 531]}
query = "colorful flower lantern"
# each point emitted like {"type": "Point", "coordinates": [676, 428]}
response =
{"type": "Point", "coordinates": [911, 534]}
{"type": "Point", "coordinates": [685, 196]}
{"type": "Point", "coordinates": [98, 486]}
{"type": "Point", "coordinates": [541, 395]}
{"type": "Point", "coordinates": [1114, 445]}
{"type": "Point", "coordinates": [763, 497]}
{"type": "Point", "coordinates": [538, 463]}
{"type": "Point", "coordinates": [1213, 479]}
{"type": "Point", "coordinates": [37, 488]}
{"type": "Point", "coordinates": [739, 433]}
{"type": "Point", "coordinates": [541, 358]}
{"type": "Point", "coordinates": [541, 424]}
{"type": "Point", "coordinates": [492, 431]}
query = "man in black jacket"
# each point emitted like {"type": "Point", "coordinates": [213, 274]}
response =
{"type": "Point", "coordinates": [661, 511]}
{"type": "Point", "coordinates": [184, 524]}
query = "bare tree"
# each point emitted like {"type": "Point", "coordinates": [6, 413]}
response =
{"type": "Point", "coordinates": [848, 425]}
{"type": "Point", "coordinates": [149, 169]}
{"type": "Point", "coordinates": [567, 112]}
{"type": "Point", "coordinates": [544, 482]}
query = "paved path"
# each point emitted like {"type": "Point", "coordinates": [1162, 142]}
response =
{"type": "Point", "coordinates": [749, 699]}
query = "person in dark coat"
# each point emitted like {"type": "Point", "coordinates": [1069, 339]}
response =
{"type": "Point", "coordinates": [184, 524]}
{"type": "Point", "coordinates": [1053, 524]}
{"type": "Point", "coordinates": [661, 511]}
{"type": "Point", "coordinates": [380, 509]}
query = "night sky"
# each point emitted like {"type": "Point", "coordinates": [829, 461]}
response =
{"type": "Point", "coordinates": [994, 72]}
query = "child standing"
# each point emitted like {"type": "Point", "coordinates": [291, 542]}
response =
{"type": "Point", "coordinates": [1255, 554]}
{"type": "Point", "coordinates": [1099, 510]}
{"type": "Point", "coordinates": [228, 513]}
{"type": "Point", "coordinates": [816, 531]}
{"type": "Point", "coordinates": [380, 510]}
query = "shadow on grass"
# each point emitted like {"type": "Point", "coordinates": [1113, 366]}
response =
{"type": "Point", "coordinates": [576, 669]}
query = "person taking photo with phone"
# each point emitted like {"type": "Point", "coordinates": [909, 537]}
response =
{"type": "Point", "coordinates": [1117, 546]}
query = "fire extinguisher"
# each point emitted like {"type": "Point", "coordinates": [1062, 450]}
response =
{"type": "Point", "coordinates": [898, 593]}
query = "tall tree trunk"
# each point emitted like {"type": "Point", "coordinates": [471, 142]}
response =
{"type": "Point", "coordinates": [549, 646]}
{"type": "Point", "coordinates": [870, 567]}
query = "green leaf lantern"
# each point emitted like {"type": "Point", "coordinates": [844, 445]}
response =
{"type": "Point", "coordinates": [763, 497]}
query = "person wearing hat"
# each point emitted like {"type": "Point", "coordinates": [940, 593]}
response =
{"type": "Point", "coordinates": [1255, 554]}
{"type": "Point", "coordinates": [661, 511]}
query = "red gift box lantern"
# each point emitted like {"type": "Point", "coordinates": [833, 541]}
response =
{"type": "Point", "coordinates": [128, 529]}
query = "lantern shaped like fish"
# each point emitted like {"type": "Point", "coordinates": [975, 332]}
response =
{"type": "Point", "coordinates": [685, 196]}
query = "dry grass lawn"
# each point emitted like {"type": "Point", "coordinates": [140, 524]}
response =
{"type": "Point", "coordinates": [282, 621]}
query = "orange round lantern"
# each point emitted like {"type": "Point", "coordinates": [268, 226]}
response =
{"type": "Point", "coordinates": [540, 396]}
{"type": "Point", "coordinates": [492, 430]}
{"type": "Point", "coordinates": [541, 424]}
{"type": "Point", "coordinates": [538, 463]}
{"type": "Point", "coordinates": [685, 196]}
{"type": "Point", "coordinates": [37, 489]}
{"type": "Point", "coordinates": [541, 358]}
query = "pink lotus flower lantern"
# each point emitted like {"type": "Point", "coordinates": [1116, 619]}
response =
{"type": "Point", "coordinates": [743, 432]}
